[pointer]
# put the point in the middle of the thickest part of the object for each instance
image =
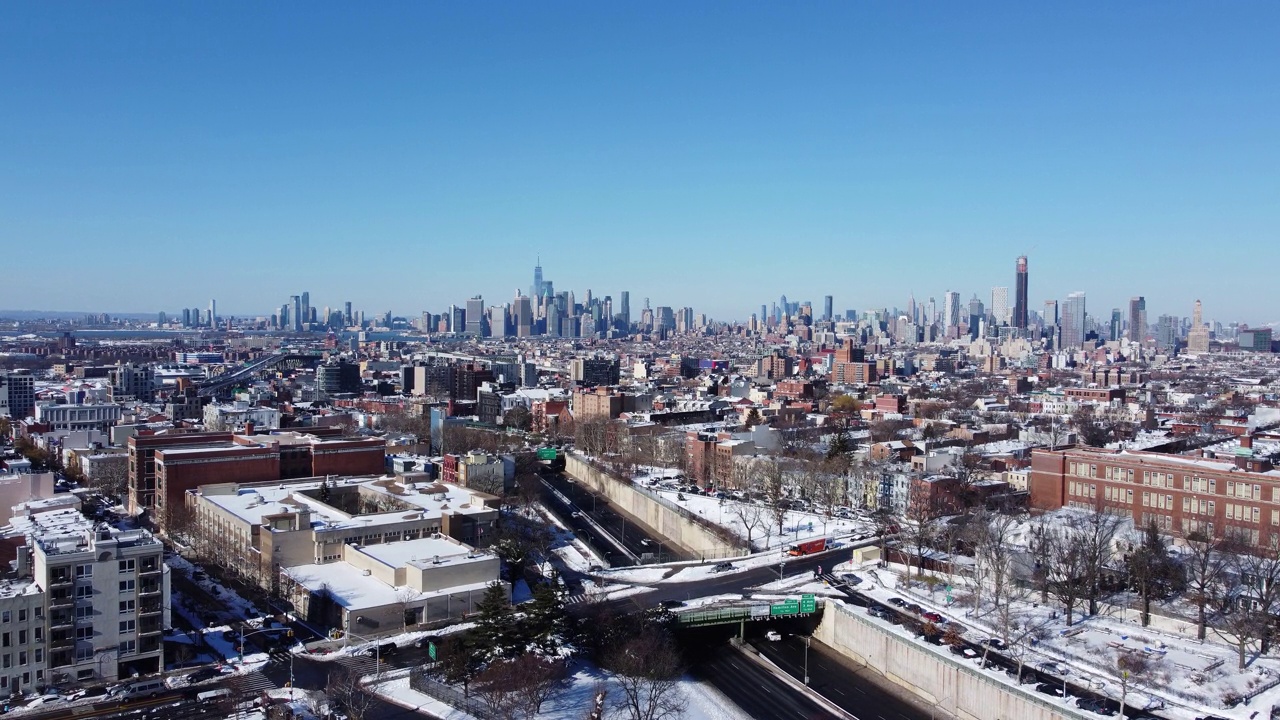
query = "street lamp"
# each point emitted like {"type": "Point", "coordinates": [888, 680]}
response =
{"type": "Point", "coordinates": [377, 650]}
{"type": "Point", "coordinates": [288, 634]}
{"type": "Point", "coordinates": [807, 640]}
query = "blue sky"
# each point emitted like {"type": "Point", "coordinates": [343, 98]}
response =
{"type": "Point", "coordinates": [406, 156]}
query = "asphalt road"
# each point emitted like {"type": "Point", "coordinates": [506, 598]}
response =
{"type": "Point", "coordinates": [752, 688]}
{"type": "Point", "coordinates": [633, 536]}
{"type": "Point", "coordinates": [836, 681]}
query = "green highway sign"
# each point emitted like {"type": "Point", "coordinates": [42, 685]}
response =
{"type": "Point", "coordinates": [431, 650]}
{"type": "Point", "coordinates": [548, 453]}
{"type": "Point", "coordinates": [808, 604]}
{"type": "Point", "coordinates": [786, 607]}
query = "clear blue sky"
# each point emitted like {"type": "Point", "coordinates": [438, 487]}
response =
{"type": "Point", "coordinates": [406, 156]}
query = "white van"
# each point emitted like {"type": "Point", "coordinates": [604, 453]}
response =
{"type": "Point", "coordinates": [141, 688]}
{"type": "Point", "coordinates": [211, 695]}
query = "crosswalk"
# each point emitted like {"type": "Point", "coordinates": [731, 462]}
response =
{"type": "Point", "coordinates": [362, 664]}
{"type": "Point", "coordinates": [255, 682]}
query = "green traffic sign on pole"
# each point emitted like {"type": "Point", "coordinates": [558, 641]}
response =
{"type": "Point", "coordinates": [808, 604]}
{"type": "Point", "coordinates": [786, 607]}
{"type": "Point", "coordinates": [431, 650]}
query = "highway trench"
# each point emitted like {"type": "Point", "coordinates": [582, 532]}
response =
{"type": "Point", "coordinates": [620, 529]}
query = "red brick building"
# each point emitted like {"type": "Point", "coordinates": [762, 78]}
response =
{"type": "Point", "coordinates": [849, 367]}
{"type": "Point", "coordinates": [259, 458]}
{"type": "Point", "coordinates": [1237, 493]}
{"type": "Point", "coordinates": [142, 467]}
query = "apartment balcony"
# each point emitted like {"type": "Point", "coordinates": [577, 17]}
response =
{"type": "Point", "coordinates": [149, 589]}
{"type": "Point", "coordinates": [57, 620]}
{"type": "Point", "coordinates": [61, 601]}
{"type": "Point", "coordinates": [151, 608]}
{"type": "Point", "coordinates": [149, 570]}
{"type": "Point", "coordinates": [150, 628]}
{"type": "Point", "coordinates": [59, 580]}
{"type": "Point", "coordinates": [56, 642]}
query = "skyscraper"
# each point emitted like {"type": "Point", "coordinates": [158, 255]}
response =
{"type": "Point", "coordinates": [524, 313]}
{"type": "Point", "coordinates": [1137, 318]}
{"type": "Point", "coordinates": [1198, 337]}
{"type": "Point", "coordinates": [213, 313]}
{"type": "Point", "coordinates": [295, 314]}
{"type": "Point", "coordinates": [976, 313]}
{"type": "Point", "coordinates": [475, 317]}
{"type": "Point", "coordinates": [536, 289]}
{"type": "Point", "coordinates": [826, 308]}
{"type": "Point", "coordinates": [625, 310]}
{"type": "Point", "coordinates": [346, 315]}
{"type": "Point", "coordinates": [1117, 322]}
{"type": "Point", "coordinates": [1020, 300]}
{"type": "Point", "coordinates": [1073, 320]}
{"type": "Point", "coordinates": [306, 306]}
{"type": "Point", "coordinates": [1000, 305]}
{"type": "Point", "coordinates": [950, 310]}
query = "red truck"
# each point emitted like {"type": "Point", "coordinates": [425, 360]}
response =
{"type": "Point", "coordinates": [809, 548]}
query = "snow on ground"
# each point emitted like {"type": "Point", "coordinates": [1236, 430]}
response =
{"type": "Point", "coordinates": [645, 575]}
{"type": "Point", "coordinates": [797, 526]}
{"type": "Point", "coordinates": [1189, 678]}
{"type": "Point", "coordinates": [567, 548]}
{"type": "Point", "coordinates": [702, 701]}
{"type": "Point", "coordinates": [334, 649]}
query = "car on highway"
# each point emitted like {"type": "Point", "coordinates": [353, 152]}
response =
{"type": "Point", "coordinates": [897, 601]}
{"type": "Point", "coordinates": [722, 567]}
{"type": "Point", "coordinates": [773, 636]}
{"type": "Point", "coordinates": [879, 611]}
{"type": "Point", "coordinates": [383, 650]}
{"type": "Point", "coordinates": [671, 604]}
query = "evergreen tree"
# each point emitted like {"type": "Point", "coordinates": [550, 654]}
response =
{"type": "Point", "coordinates": [753, 418]}
{"type": "Point", "coordinates": [544, 621]}
{"type": "Point", "coordinates": [496, 631]}
{"type": "Point", "coordinates": [324, 491]}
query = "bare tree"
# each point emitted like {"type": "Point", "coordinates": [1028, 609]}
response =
{"type": "Point", "coordinates": [536, 679]}
{"type": "Point", "coordinates": [406, 596]}
{"type": "Point", "coordinates": [1206, 565]}
{"type": "Point", "coordinates": [990, 536]}
{"type": "Point", "coordinates": [496, 686]}
{"type": "Point", "coordinates": [1069, 567]}
{"type": "Point", "coordinates": [773, 485]}
{"type": "Point", "coordinates": [648, 669]}
{"type": "Point", "coordinates": [345, 690]}
{"type": "Point", "coordinates": [1098, 533]}
{"type": "Point", "coordinates": [920, 528]}
{"type": "Point", "coordinates": [1151, 569]}
{"type": "Point", "coordinates": [1131, 667]}
{"type": "Point", "coordinates": [751, 516]}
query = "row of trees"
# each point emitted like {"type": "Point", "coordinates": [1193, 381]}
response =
{"type": "Point", "coordinates": [1085, 559]}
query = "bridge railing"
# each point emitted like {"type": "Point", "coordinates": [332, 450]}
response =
{"type": "Point", "coordinates": [420, 681]}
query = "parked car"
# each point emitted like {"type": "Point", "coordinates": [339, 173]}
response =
{"type": "Point", "coordinates": [994, 643]}
{"type": "Point", "coordinates": [897, 601]}
{"type": "Point", "coordinates": [383, 650]}
{"type": "Point", "coordinates": [933, 617]}
{"type": "Point", "coordinates": [1052, 668]}
{"type": "Point", "coordinates": [850, 578]}
{"type": "Point", "coordinates": [91, 692]}
{"type": "Point", "coordinates": [722, 567]}
{"type": "Point", "coordinates": [1053, 689]}
{"type": "Point", "coordinates": [203, 674]}
{"type": "Point", "coordinates": [912, 607]}
{"type": "Point", "coordinates": [425, 641]}
{"type": "Point", "coordinates": [1096, 705]}
{"type": "Point", "coordinates": [671, 604]}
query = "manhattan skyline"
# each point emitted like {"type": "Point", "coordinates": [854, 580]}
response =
{"type": "Point", "coordinates": [710, 157]}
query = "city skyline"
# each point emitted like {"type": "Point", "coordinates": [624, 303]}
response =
{"type": "Point", "coordinates": [1126, 150]}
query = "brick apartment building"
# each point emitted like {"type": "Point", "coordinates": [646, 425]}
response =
{"type": "Point", "coordinates": [1218, 493]}
{"type": "Point", "coordinates": [177, 467]}
{"type": "Point", "coordinates": [849, 367]}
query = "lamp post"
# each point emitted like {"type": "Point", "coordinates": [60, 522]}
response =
{"type": "Point", "coordinates": [377, 651]}
{"type": "Point", "coordinates": [807, 639]}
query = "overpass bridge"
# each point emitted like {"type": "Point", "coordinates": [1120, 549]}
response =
{"type": "Point", "coordinates": [217, 384]}
{"type": "Point", "coordinates": [789, 609]}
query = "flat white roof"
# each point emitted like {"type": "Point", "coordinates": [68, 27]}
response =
{"type": "Point", "coordinates": [251, 504]}
{"type": "Point", "coordinates": [422, 551]}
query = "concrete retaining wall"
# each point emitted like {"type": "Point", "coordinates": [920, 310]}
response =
{"type": "Point", "coordinates": [663, 520]}
{"type": "Point", "coordinates": [955, 687]}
